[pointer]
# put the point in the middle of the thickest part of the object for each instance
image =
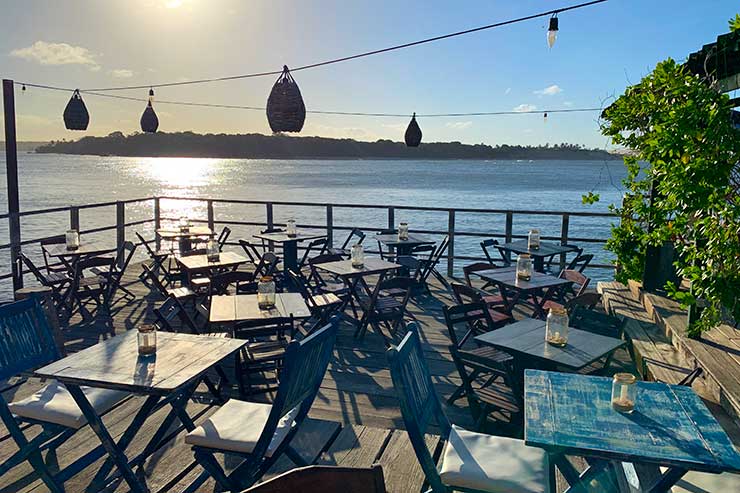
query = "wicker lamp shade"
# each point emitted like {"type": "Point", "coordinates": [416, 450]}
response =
{"type": "Point", "coordinates": [285, 109]}
{"type": "Point", "coordinates": [413, 133]}
{"type": "Point", "coordinates": [76, 116]}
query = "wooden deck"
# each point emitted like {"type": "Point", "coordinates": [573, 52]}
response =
{"type": "Point", "coordinates": [355, 420]}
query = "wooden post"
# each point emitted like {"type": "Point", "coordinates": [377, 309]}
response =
{"type": "Point", "coordinates": [329, 226]}
{"type": "Point", "coordinates": [157, 223]}
{"type": "Point", "coordinates": [270, 223]}
{"type": "Point", "coordinates": [451, 245]}
{"type": "Point", "coordinates": [391, 218]}
{"type": "Point", "coordinates": [509, 232]}
{"type": "Point", "coordinates": [120, 230]}
{"type": "Point", "coordinates": [564, 231]}
{"type": "Point", "coordinates": [74, 217]}
{"type": "Point", "coordinates": [11, 174]}
{"type": "Point", "coordinates": [211, 217]}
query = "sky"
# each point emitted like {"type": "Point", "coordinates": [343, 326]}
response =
{"type": "Point", "coordinates": [600, 50]}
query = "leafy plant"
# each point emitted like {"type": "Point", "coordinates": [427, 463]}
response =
{"type": "Point", "coordinates": [685, 144]}
{"type": "Point", "coordinates": [735, 23]}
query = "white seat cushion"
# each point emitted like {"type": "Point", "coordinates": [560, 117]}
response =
{"type": "Point", "coordinates": [703, 482]}
{"type": "Point", "coordinates": [238, 425]}
{"type": "Point", "coordinates": [494, 464]}
{"type": "Point", "coordinates": [54, 404]}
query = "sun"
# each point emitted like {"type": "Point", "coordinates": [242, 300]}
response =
{"type": "Point", "coordinates": [173, 4]}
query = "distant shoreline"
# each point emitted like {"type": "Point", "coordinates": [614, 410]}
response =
{"type": "Point", "coordinates": [258, 146]}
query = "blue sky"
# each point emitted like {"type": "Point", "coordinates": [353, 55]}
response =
{"type": "Point", "coordinates": [600, 50]}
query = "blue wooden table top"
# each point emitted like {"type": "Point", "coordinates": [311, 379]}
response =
{"type": "Point", "coordinates": [670, 425]}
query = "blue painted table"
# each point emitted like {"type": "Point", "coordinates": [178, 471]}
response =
{"type": "Point", "coordinates": [670, 427]}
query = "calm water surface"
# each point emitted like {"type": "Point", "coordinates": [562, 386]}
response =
{"type": "Point", "coordinates": [59, 180]}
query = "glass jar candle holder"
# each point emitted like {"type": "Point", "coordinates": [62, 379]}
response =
{"type": "Point", "coordinates": [290, 228]}
{"type": "Point", "coordinates": [533, 239]}
{"type": "Point", "coordinates": [212, 251]}
{"type": "Point", "coordinates": [266, 293]}
{"type": "Point", "coordinates": [556, 327]}
{"type": "Point", "coordinates": [524, 267]}
{"type": "Point", "coordinates": [403, 231]}
{"type": "Point", "coordinates": [72, 239]}
{"type": "Point", "coordinates": [184, 224]}
{"type": "Point", "coordinates": [358, 256]}
{"type": "Point", "coordinates": [147, 340]}
{"type": "Point", "coordinates": [624, 392]}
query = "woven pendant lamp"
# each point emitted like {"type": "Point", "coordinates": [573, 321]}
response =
{"type": "Point", "coordinates": [76, 116]}
{"type": "Point", "coordinates": [413, 133]}
{"type": "Point", "coordinates": [149, 121]}
{"type": "Point", "coordinates": [285, 109]}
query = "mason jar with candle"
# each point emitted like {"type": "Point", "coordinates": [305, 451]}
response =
{"type": "Point", "coordinates": [266, 293]}
{"type": "Point", "coordinates": [403, 231]}
{"type": "Point", "coordinates": [212, 251]}
{"type": "Point", "coordinates": [147, 340]}
{"type": "Point", "coordinates": [556, 327]}
{"type": "Point", "coordinates": [533, 239]}
{"type": "Point", "coordinates": [290, 228]}
{"type": "Point", "coordinates": [624, 392]}
{"type": "Point", "coordinates": [524, 267]}
{"type": "Point", "coordinates": [358, 256]}
{"type": "Point", "coordinates": [72, 239]}
{"type": "Point", "coordinates": [184, 224]}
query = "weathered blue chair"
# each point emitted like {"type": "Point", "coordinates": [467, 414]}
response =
{"type": "Point", "coordinates": [471, 461]}
{"type": "Point", "coordinates": [26, 343]}
{"type": "Point", "coordinates": [261, 433]}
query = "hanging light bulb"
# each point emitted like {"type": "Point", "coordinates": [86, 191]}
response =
{"type": "Point", "coordinates": [149, 121]}
{"type": "Point", "coordinates": [23, 88]}
{"type": "Point", "coordinates": [413, 133]}
{"type": "Point", "coordinates": [552, 32]}
{"type": "Point", "coordinates": [545, 116]}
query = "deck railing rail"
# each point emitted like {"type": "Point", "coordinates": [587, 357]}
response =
{"type": "Point", "coordinates": [119, 224]}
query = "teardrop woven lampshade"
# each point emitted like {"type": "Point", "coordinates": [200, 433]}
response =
{"type": "Point", "coordinates": [413, 133]}
{"type": "Point", "coordinates": [76, 116]}
{"type": "Point", "coordinates": [149, 120]}
{"type": "Point", "coordinates": [285, 109]}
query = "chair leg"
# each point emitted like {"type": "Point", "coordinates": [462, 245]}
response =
{"type": "Point", "coordinates": [210, 464]}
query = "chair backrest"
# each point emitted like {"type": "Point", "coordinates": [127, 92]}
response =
{"type": "Point", "coordinates": [250, 249]}
{"type": "Point", "coordinates": [465, 294]}
{"type": "Point", "coordinates": [580, 262]}
{"type": "Point", "coordinates": [475, 317]}
{"type": "Point", "coordinates": [26, 340]}
{"type": "Point", "coordinates": [430, 264]}
{"type": "Point", "coordinates": [90, 262]}
{"type": "Point", "coordinates": [146, 245]}
{"type": "Point", "coordinates": [52, 240]}
{"type": "Point", "coordinates": [40, 276]}
{"type": "Point", "coordinates": [154, 278]}
{"type": "Point", "coordinates": [401, 287]}
{"type": "Point", "coordinates": [304, 368]}
{"type": "Point", "coordinates": [171, 309]}
{"type": "Point", "coordinates": [580, 281]}
{"type": "Point", "coordinates": [223, 237]}
{"type": "Point", "coordinates": [317, 246]}
{"type": "Point", "coordinates": [355, 233]}
{"type": "Point", "coordinates": [267, 265]}
{"type": "Point", "coordinates": [327, 479]}
{"type": "Point", "coordinates": [420, 405]}
{"type": "Point", "coordinates": [475, 267]}
{"type": "Point", "coordinates": [220, 282]}
{"type": "Point", "coordinates": [488, 246]}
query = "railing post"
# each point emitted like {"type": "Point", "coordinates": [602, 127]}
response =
{"type": "Point", "coordinates": [11, 173]}
{"type": "Point", "coordinates": [211, 217]}
{"type": "Point", "coordinates": [451, 245]}
{"type": "Point", "coordinates": [564, 237]}
{"type": "Point", "coordinates": [391, 218]}
{"type": "Point", "coordinates": [329, 226]}
{"type": "Point", "coordinates": [508, 233]}
{"type": "Point", "coordinates": [74, 217]}
{"type": "Point", "coordinates": [157, 222]}
{"type": "Point", "coordinates": [120, 230]}
{"type": "Point", "coordinates": [270, 222]}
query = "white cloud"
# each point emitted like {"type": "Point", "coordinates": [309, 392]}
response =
{"type": "Point", "coordinates": [121, 73]}
{"type": "Point", "coordinates": [568, 103]}
{"type": "Point", "coordinates": [549, 90]}
{"type": "Point", "coordinates": [57, 54]}
{"type": "Point", "coordinates": [395, 126]}
{"type": "Point", "coordinates": [508, 90]}
{"type": "Point", "coordinates": [523, 108]}
{"type": "Point", "coordinates": [459, 125]}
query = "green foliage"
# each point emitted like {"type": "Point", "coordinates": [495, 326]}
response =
{"type": "Point", "coordinates": [680, 127]}
{"type": "Point", "coordinates": [735, 23]}
{"type": "Point", "coordinates": [590, 198]}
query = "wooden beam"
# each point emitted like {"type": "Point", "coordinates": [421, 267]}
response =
{"type": "Point", "coordinates": [11, 173]}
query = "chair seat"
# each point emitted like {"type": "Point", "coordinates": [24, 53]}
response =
{"type": "Point", "coordinates": [57, 277]}
{"type": "Point", "coordinates": [180, 293]}
{"type": "Point", "coordinates": [493, 299]}
{"type": "Point", "coordinates": [487, 353]}
{"type": "Point", "coordinates": [237, 426]}
{"type": "Point", "coordinates": [266, 350]}
{"type": "Point", "coordinates": [549, 304]}
{"type": "Point", "coordinates": [88, 282]}
{"type": "Point", "coordinates": [338, 251]}
{"type": "Point", "coordinates": [323, 300]}
{"type": "Point", "coordinates": [493, 464]}
{"type": "Point", "coordinates": [54, 404]}
{"type": "Point", "coordinates": [499, 396]}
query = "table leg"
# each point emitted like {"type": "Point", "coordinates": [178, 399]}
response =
{"type": "Point", "coordinates": [364, 322]}
{"type": "Point", "coordinates": [290, 256]}
{"type": "Point", "coordinates": [539, 264]}
{"type": "Point", "coordinates": [114, 452]}
{"type": "Point", "coordinates": [667, 480]}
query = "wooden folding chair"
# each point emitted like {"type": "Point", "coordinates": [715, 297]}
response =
{"type": "Point", "coordinates": [499, 312]}
{"type": "Point", "coordinates": [386, 307]}
{"type": "Point", "coordinates": [158, 259]}
{"type": "Point", "coordinates": [251, 251]}
{"type": "Point", "coordinates": [51, 265]}
{"type": "Point", "coordinates": [321, 305]}
{"type": "Point", "coordinates": [115, 275]}
{"type": "Point", "coordinates": [315, 247]}
{"type": "Point", "coordinates": [355, 237]}
{"type": "Point", "coordinates": [259, 434]}
{"type": "Point", "coordinates": [59, 283]}
{"type": "Point", "coordinates": [223, 237]}
{"type": "Point", "coordinates": [500, 260]}
{"type": "Point", "coordinates": [327, 479]}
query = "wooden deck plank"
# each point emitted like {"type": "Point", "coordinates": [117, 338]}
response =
{"type": "Point", "coordinates": [401, 469]}
{"type": "Point", "coordinates": [355, 446]}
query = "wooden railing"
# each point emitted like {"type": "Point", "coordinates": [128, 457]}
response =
{"type": "Point", "coordinates": [328, 225]}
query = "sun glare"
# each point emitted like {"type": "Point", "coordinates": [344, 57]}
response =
{"type": "Point", "coordinates": [173, 4]}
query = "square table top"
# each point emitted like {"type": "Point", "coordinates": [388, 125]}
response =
{"type": "Point", "coordinates": [670, 425]}
{"type": "Point", "coordinates": [175, 232]}
{"type": "Point", "coordinates": [343, 268]}
{"type": "Point", "coordinates": [545, 250]}
{"type": "Point", "coordinates": [392, 240]}
{"type": "Point", "coordinates": [86, 248]}
{"type": "Point", "coordinates": [507, 276]}
{"type": "Point", "coordinates": [199, 262]}
{"type": "Point", "coordinates": [243, 307]}
{"type": "Point", "coordinates": [282, 236]}
{"type": "Point", "coordinates": [116, 364]}
{"type": "Point", "coordinates": [527, 338]}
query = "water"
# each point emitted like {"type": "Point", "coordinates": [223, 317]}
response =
{"type": "Point", "coordinates": [59, 180]}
